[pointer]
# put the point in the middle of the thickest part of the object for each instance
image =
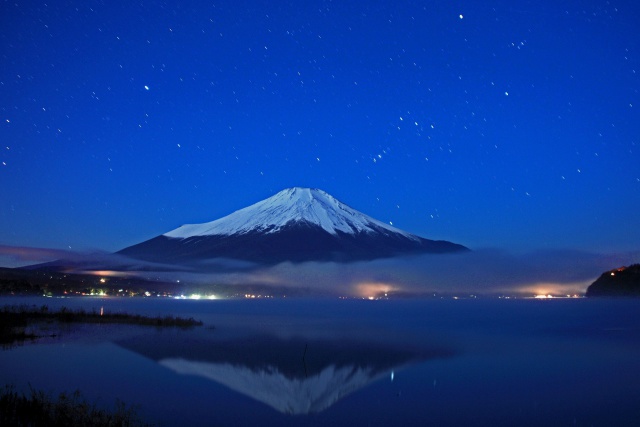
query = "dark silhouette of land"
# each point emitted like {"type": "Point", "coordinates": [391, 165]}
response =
{"type": "Point", "coordinates": [620, 282]}
{"type": "Point", "coordinates": [20, 323]}
{"type": "Point", "coordinates": [49, 281]}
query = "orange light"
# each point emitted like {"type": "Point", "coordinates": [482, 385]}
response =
{"type": "Point", "coordinates": [372, 290]}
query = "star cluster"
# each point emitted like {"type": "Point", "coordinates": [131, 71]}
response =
{"type": "Point", "coordinates": [491, 124]}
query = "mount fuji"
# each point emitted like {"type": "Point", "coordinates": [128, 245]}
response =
{"type": "Point", "coordinates": [296, 225]}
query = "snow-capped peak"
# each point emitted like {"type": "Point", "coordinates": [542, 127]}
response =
{"type": "Point", "coordinates": [297, 204]}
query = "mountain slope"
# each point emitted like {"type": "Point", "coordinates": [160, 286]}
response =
{"type": "Point", "coordinates": [296, 224]}
{"type": "Point", "coordinates": [306, 205]}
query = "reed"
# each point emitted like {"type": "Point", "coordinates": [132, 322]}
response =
{"type": "Point", "coordinates": [38, 408]}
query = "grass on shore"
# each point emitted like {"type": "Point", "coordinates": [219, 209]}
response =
{"type": "Point", "coordinates": [40, 409]}
{"type": "Point", "coordinates": [15, 319]}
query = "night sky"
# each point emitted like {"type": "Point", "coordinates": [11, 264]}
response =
{"type": "Point", "coordinates": [493, 124]}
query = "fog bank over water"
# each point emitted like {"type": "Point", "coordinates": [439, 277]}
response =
{"type": "Point", "coordinates": [479, 272]}
{"type": "Point", "coordinates": [484, 271]}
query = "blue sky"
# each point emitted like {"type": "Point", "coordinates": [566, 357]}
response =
{"type": "Point", "coordinates": [497, 124]}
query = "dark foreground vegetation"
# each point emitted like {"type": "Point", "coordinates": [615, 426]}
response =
{"type": "Point", "coordinates": [40, 409]}
{"type": "Point", "coordinates": [19, 323]}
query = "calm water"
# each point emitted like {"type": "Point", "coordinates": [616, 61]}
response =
{"type": "Point", "coordinates": [351, 363]}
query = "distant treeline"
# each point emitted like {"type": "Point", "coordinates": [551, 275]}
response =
{"type": "Point", "coordinates": [18, 281]}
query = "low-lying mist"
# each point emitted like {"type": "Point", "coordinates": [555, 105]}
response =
{"type": "Point", "coordinates": [480, 272]}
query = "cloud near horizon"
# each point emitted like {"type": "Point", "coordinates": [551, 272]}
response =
{"type": "Point", "coordinates": [479, 272]}
{"type": "Point", "coordinates": [19, 256]}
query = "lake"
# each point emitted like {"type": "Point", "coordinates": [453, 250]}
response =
{"type": "Point", "coordinates": [298, 362]}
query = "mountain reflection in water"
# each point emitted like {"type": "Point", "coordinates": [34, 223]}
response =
{"type": "Point", "coordinates": [293, 376]}
{"type": "Point", "coordinates": [480, 362]}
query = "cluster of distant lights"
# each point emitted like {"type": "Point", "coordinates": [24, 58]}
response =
{"type": "Point", "coordinates": [536, 296]}
{"type": "Point", "coordinates": [147, 294]}
{"type": "Point", "coordinates": [549, 296]}
{"type": "Point", "coordinates": [377, 297]}
{"type": "Point", "coordinates": [193, 296]}
{"type": "Point", "coordinates": [213, 297]}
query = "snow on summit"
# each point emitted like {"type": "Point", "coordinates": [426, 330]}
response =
{"type": "Point", "coordinates": [294, 225]}
{"type": "Point", "coordinates": [301, 205]}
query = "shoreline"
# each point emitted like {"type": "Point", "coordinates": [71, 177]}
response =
{"type": "Point", "coordinates": [18, 323]}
